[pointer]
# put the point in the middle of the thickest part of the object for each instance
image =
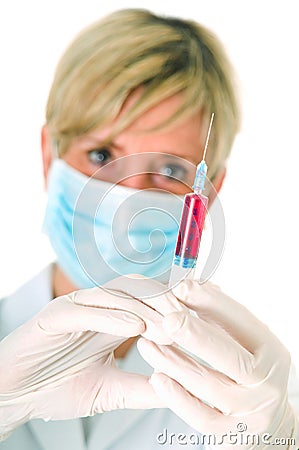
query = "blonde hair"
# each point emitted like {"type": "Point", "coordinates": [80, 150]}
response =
{"type": "Point", "coordinates": [134, 47]}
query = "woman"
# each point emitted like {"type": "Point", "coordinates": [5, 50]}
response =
{"type": "Point", "coordinates": [127, 117]}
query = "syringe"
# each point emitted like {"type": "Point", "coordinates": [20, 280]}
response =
{"type": "Point", "coordinates": [191, 224]}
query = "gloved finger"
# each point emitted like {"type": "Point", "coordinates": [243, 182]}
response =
{"type": "Point", "coordinates": [63, 316]}
{"type": "Point", "coordinates": [122, 300]}
{"type": "Point", "coordinates": [127, 390]}
{"type": "Point", "coordinates": [201, 381]}
{"type": "Point", "coordinates": [152, 293]}
{"type": "Point", "coordinates": [211, 344]}
{"type": "Point", "coordinates": [193, 411]}
{"type": "Point", "coordinates": [213, 306]}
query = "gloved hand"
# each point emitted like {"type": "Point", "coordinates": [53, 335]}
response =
{"type": "Point", "coordinates": [60, 364]}
{"type": "Point", "coordinates": [234, 379]}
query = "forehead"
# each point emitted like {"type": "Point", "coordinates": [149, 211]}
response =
{"type": "Point", "coordinates": [155, 116]}
{"type": "Point", "coordinates": [184, 137]}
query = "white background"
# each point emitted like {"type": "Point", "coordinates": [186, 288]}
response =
{"type": "Point", "coordinates": [259, 267]}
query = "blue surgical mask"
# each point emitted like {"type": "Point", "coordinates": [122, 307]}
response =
{"type": "Point", "coordinates": [100, 231]}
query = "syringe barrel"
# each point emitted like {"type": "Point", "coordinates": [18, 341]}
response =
{"type": "Point", "coordinates": [190, 231]}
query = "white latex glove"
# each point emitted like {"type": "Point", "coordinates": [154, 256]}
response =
{"type": "Point", "coordinates": [234, 378]}
{"type": "Point", "coordinates": [60, 364]}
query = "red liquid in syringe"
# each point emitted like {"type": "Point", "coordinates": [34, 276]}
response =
{"type": "Point", "coordinates": [190, 231]}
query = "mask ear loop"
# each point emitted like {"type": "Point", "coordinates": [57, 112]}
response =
{"type": "Point", "coordinates": [55, 153]}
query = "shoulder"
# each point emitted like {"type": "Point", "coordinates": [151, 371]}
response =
{"type": "Point", "coordinates": [25, 302]}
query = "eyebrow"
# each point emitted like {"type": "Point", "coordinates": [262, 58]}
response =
{"type": "Point", "coordinates": [99, 142]}
{"type": "Point", "coordinates": [109, 142]}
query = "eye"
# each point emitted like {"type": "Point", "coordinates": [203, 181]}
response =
{"type": "Point", "coordinates": [174, 171]}
{"type": "Point", "coordinates": [100, 156]}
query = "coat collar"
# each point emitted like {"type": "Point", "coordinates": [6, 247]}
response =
{"type": "Point", "coordinates": [26, 301]}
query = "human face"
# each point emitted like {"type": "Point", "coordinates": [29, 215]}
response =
{"type": "Point", "coordinates": [163, 159]}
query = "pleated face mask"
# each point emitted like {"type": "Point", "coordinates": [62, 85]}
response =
{"type": "Point", "coordinates": [100, 230]}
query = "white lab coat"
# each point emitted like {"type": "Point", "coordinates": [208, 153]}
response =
{"type": "Point", "coordinates": [115, 430]}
